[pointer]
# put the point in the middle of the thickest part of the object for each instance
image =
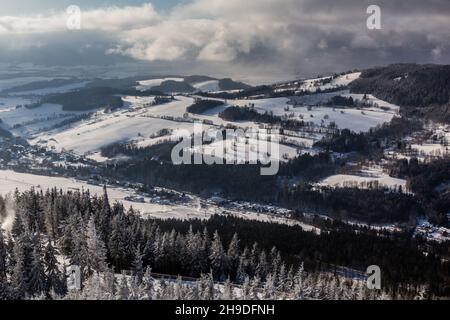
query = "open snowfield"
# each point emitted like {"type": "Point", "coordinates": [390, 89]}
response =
{"type": "Point", "coordinates": [149, 84]}
{"type": "Point", "coordinates": [240, 150]}
{"type": "Point", "coordinates": [365, 177]}
{"type": "Point", "coordinates": [102, 130]}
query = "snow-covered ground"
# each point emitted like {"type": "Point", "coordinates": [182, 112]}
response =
{"type": "Point", "coordinates": [313, 85]}
{"type": "Point", "coordinates": [363, 179]}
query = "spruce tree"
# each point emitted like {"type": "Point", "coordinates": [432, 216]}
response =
{"type": "Point", "coordinates": [3, 257]}
{"type": "Point", "coordinates": [96, 250]}
{"type": "Point", "coordinates": [138, 268]}
{"type": "Point", "coordinates": [217, 257]}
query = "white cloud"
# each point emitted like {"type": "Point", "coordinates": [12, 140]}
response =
{"type": "Point", "coordinates": [106, 19]}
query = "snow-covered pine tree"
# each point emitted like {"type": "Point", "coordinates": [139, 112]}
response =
{"type": "Point", "coordinates": [149, 284]}
{"type": "Point", "coordinates": [54, 277]}
{"type": "Point", "coordinates": [298, 284]}
{"type": "Point", "coordinates": [228, 290]}
{"type": "Point", "coordinates": [123, 291]}
{"type": "Point", "coordinates": [255, 288]}
{"type": "Point", "coordinates": [233, 256]}
{"type": "Point", "coordinates": [262, 267]}
{"type": "Point", "coordinates": [78, 252]}
{"type": "Point", "coordinates": [217, 257]}
{"type": "Point", "coordinates": [246, 289]}
{"type": "Point", "coordinates": [37, 277]}
{"type": "Point", "coordinates": [269, 292]}
{"type": "Point", "coordinates": [243, 268]}
{"type": "Point", "coordinates": [281, 279]}
{"type": "Point", "coordinates": [19, 277]}
{"type": "Point", "coordinates": [138, 268]}
{"type": "Point", "coordinates": [110, 284]}
{"type": "Point", "coordinates": [96, 250]}
{"type": "Point", "coordinates": [3, 257]}
{"type": "Point", "coordinates": [275, 257]}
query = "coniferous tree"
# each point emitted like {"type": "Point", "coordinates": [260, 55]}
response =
{"type": "Point", "coordinates": [96, 250]}
{"type": "Point", "coordinates": [19, 277]}
{"type": "Point", "coordinates": [233, 256]}
{"type": "Point", "coordinates": [138, 268]}
{"type": "Point", "coordinates": [3, 257]}
{"type": "Point", "coordinates": [54, 276]}
{"type": "Point", "coordinates": [37, 277]}
{"type": "Point", "coordinates": [217, 257]}
{"type": "Point", "coordinates": [123, 291]}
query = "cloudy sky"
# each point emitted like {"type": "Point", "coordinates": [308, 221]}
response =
{"type": "Point", "coordinates": [258, 39]}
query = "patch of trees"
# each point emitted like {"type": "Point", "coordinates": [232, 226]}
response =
{"type": "Point", "coordinates": [375, 205]}
{"type": "Point", "coordinates": [200, 106]}
{"type": "Point", "coordinates": [341, 101]}
{"type": "Point", "coordinates": [236, 113]}
{"type": "Point", "coordinates": [229, 84]}
{"type": "Point", "coordinates": [171, 86]}
{"type": "Point", "coordinates": [345, 141]}
{"type": "Point", "coordinates": [84, 99]}
{"type": "Point", "coordinates": [429, 181]}
{"type": "Point", "coordinates": [161, 151]}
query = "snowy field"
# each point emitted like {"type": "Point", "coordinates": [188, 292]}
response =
{"type": "Point", "coordinates": [362, 180]}
{"type": "Point", "coordinates": [348, 118]}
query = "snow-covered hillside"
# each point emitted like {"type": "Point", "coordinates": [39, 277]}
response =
{"type": "Point", "coordinates": [208, 86]}
{"type": "Point", "coordinates": [149, 84]}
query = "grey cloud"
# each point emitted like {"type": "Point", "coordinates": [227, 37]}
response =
{"type": "Point", "coordinates": [259, 39]}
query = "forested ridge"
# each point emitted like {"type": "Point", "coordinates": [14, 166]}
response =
{"type": "Point", "coordinates": [422, 90]}
{"type": "Point", "coordinates": [103, 238]}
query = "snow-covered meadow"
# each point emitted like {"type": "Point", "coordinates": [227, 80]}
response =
{"type": "Point", "coordinates": [373, 176]}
